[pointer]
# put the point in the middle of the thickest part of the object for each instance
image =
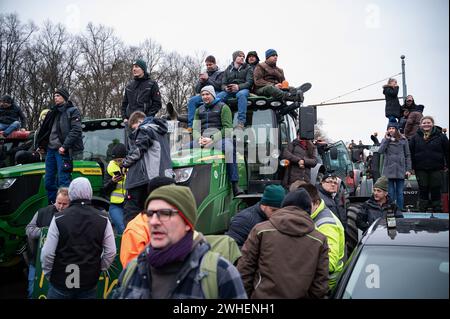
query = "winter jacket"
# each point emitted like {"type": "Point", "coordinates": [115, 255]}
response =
{"type": "Point", "coordinates": [149, 154]}
{"type": "Point", "coordinates": [328, 224]}
{"type": "Point", "coordinates": [80, 235]}
{"type": "Point", "coordinates": [413, 121]}
{"type": "Point", "coordinates": [187, 284]}
{"type": "Point", "coordinates": [397, 158]}
{"type": "Point", "coordinates": [242, 76]}
{"type": "Point", "coordinates": [243, 222]}
{"type": "Point", "coordinates": [214, 79]}
{"type": "Point", "coordinates": [285, 257]}
{"type": "Point", "coordinates": [431, 154]}
{"type": "Point", "coordinates": [12, 114]}
{"type": "Point", "coordinates": [393, 107]}
{"type": "Point", "coordinates": [294, 153]}
{"type": "Point", "coordinates": [68, 121]}
{"type": "Point", "coordinates": [333, 204]}
{"type": "Point", "coordinates": [114, 191]}
{"type": "Point", "coordinates": [370, 211]}
{"type": "Point", "coordinates": [143, 95]}
{"type": "Point", "coordinates": [216, 115]}
{"type": "Point", "coordinates": [265, 74]}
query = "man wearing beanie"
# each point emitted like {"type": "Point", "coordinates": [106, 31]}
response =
{"type": "Point", "coordinates": [11, 116]}
{"type": "Point", "coordinates": [211, 120]}
{"type": "Point", "coordinates": [268, 80]}
{"type": "Point", "coordinates": [243, 222]}
{"type": "Point", "coordinates": [236, 83]}
{"type": "Point", "coordinates": [79, 246]}
{"type": "Point", "coordinates": [212, 76]}
{"type": "Point", "coordinates": [60, 135]}
{"type": "Point", "coordinates": [376, 206]}
{"type": "Point", "coordinates": [329, 191]}
{"type": "Point", "coordinates": [276, 251]}
{"type": "Point", "coordinates": [114, 186]}
{"type": "Point", "coordinates": [169, 267]}
{"type": "Point", "coordinates": [141, 94]}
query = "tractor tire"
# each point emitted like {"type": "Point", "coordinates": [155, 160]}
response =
{"type": "Point", "coordinates": [352, 229]}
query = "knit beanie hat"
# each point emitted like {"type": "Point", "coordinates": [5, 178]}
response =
{"type": "Point", "coordinates": [381, 183]}
{"type": "Point", "coordinates": [210, 89]}
{"type": "Point", "coordinates": [80, 188]}
{"type": "Point", "coordinates": [273, 196]}
{"type": "Point", "coordinates": [299, 198]}
{"type": "Point", "coordinates": [236, 54]}
{"type": "Point", "coordinates": [7, 98]}
{"type": "Point", "coordinates": [63, 92]}
{"type": "Point", "coordinates": [179, 196]}
{"type": "Point", "coordinates": [119, 151]}
{"type": "Point", "coordinates": [393, 124]}
{"type": "Point", "coordinates": [159, 181]}
{"type": "Point", "coordinates": [270, 52]}
{"type": "Point", "coordinates": [141, 63]}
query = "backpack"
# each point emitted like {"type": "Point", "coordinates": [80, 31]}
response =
{"type": "Point", "coordinates": [221, 245]}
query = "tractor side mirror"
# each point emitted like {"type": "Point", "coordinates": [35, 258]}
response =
{"type": "Point", "coordinates": [333, 153]}
{"type": "Point", "coordinates": [308, 118]}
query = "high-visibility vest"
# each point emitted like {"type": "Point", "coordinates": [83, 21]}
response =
{"type": "Point", "coordinates": [118, 194]}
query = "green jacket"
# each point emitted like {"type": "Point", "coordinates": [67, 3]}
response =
{"type": "Point", "coordinates": [329, 225]}
{"type": "Point", "coordinates": [226, 119]}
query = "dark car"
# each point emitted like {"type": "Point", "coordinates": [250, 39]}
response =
{"type": "Point", "coordinates": [409, 261]}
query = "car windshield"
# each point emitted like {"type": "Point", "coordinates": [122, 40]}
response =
{"type": "Point", "coordinates": [399, 272]}
{"type": "Point", "coordinates": [98, 144]}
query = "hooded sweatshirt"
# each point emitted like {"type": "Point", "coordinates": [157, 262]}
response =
{"type": "Point", "coordinates": [285, 257]}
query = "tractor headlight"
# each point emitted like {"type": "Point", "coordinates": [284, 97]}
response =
{"type": "Point", "coordinates": [183, 174]}
{"type": "Point", "coordinates": [6, 183]}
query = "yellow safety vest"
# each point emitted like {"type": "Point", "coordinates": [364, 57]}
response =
{"type": "Point", "coordinates": [118, 194]}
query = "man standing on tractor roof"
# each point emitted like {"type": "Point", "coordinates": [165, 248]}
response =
{"type": "Point", "coordinates": [61, 135]}
{"type": "Point", "coordinates": [141, 94]}
{"type": "Point", "coordinates": [270, 81]}
{"type": "Point", "coordinates": [236, 82]}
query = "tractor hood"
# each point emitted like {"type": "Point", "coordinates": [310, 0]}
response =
{"type": "Point", "coordinates": [196, 156]}
{"type": "Point", "coordinates": [84, 167]}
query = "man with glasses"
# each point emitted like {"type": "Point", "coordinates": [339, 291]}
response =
{"type": "Point", "coordinates": [169, 267]}
{"type": "Point", "coordinates": [328, 191]}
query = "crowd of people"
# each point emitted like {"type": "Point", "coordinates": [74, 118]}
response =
{"type": "Point", "coordinates": [162, 253]}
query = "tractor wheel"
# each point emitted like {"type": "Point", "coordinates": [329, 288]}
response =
{"type": "Point", "coordinates": [352, 229]}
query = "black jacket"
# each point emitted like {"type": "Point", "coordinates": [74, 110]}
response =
{"type": "Point", "coordinates": [141, 95]}
{"type": "Point", "coordinates": [12, 114]}
{"type": "Point", "coordinates": [242, 76]}
{"type": "Point", "coordinates": [393, 107]}
{"type": "Point", "coordinates": [214, 79]}
{"type": "Point", "coordinates": [370, 211]}
{"type": "Point", "coordinates": [69, 129]}
{"type": "Point", "coordinates": [431, 154]}
{"type": "Point", "coordinates": [243, 222]}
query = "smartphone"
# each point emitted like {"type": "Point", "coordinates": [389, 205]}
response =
{"type": "Point", "coordinates": [117, 173]}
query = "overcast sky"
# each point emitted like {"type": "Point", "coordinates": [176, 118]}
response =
{"type": "Point", "coordinates": [337, 45]}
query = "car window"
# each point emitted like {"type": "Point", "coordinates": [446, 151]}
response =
{"type": "Point", "coordinates": [399, 272]}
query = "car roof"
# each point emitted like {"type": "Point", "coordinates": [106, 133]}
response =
{"type": "Point", "coordinates": [430, 232]}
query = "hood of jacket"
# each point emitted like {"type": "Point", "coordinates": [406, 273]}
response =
{"type": "Point", "coordinates": [158, 124]}
{"type": "Point", "coordinates": [292, 221]}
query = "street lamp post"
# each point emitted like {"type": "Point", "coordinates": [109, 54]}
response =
{"type": "Point", "coordinates": [405, 93]}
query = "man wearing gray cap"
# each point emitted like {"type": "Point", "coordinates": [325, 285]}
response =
{"type": "Point", "coordinates": [80, 244]}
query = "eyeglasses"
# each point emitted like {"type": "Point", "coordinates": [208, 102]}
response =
{"type": "Point", "coordinates": [162, 214]}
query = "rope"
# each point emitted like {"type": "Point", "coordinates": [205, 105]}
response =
{"type": "Point", "coordinates": [364, 87]}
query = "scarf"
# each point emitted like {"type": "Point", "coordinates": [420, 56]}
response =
{"type": "Point", "coordinates": [303, 144]}
{"type": "Point", "coordinates": [158, 258]}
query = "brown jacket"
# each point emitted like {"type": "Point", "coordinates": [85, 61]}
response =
{"type": "Point", "coordinates": [412, 123]}
{"type": "Point", "coordinates": [294, 153]}
{"type": "Point", "coordinates": [265, 74]}
{"type": "Point", "coordinates": [285, 257]}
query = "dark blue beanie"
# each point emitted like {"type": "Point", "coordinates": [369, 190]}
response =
{"type": "Point", "coordinates": [299, 198]}
{"type": "Point", "coordinates": [270, 52]}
